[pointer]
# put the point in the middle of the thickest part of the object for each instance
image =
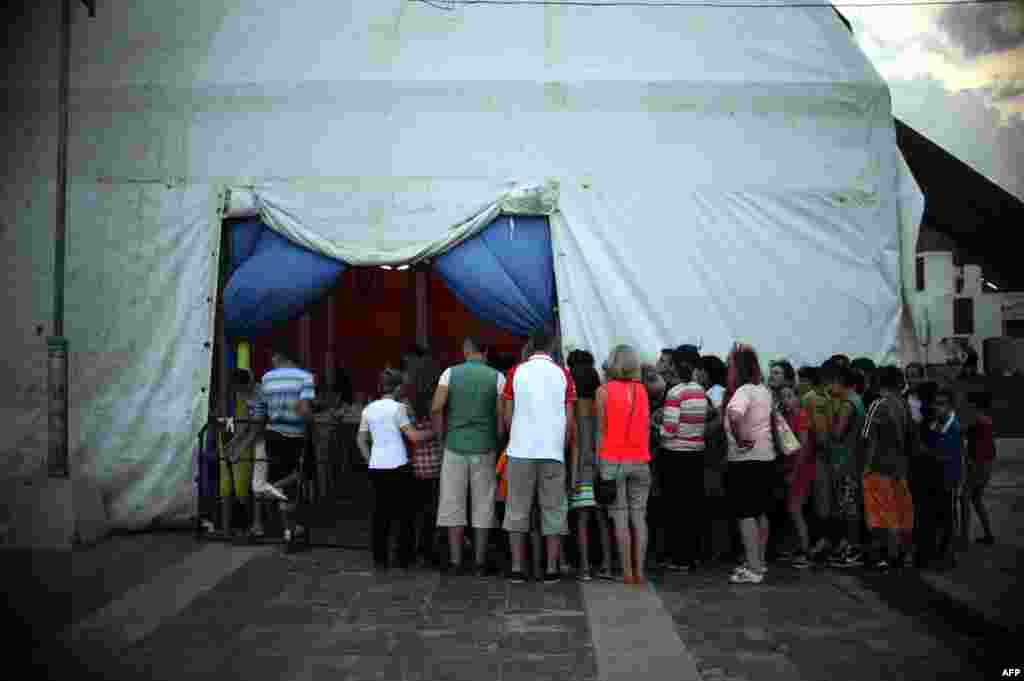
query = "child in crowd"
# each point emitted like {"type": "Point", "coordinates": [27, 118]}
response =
{"type": "Point", "coordinates": [799, 471]}
{"type": "Point", "coordinates": [848, 468]}
{"type": "Point", "coordinates": [818, 405]}
{"type": "Point", "coordinates": [890, 442]}
{"type": "Point", "coordinates": [583, 467]}
{"type": "Point", "coordinates": [657, 389]}
{"type": "Point", "coordinates": [981, 455]}
{"type": "Point", "coordinates": [943, 442]}
{"type": "Point", "coordinates": [236, 464]}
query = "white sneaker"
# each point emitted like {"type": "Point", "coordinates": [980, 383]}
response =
{"type": "Point", "coordinates": [745, 575]}
{"type": "Point", "coordinates": [268, 491]}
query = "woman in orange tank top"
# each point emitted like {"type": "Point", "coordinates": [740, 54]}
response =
{"type": "Point", "coordinates": [623, 445]}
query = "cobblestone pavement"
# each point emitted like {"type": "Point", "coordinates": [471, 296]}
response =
{"type": "Point", "coordinates": [815, 625]}
{"type": "Point", "coordinates": [325, 615]}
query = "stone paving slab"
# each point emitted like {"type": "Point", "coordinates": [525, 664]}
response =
{"type": "Point", "coordinates": [325, 615]}
{"type": "Point", "coordinates": [811, 625]}
{"type": "Point", "coordinates": [634, 635]}
{"type": "Point", "coordinates": [142, 609]}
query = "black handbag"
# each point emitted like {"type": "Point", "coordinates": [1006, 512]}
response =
{"type": "Point", "coordinates": [606, 491]}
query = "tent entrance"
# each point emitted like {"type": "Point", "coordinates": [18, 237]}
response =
{"type": "Point", "coordinates": [361, 320]}
{"type": "Point", "coordinates": [369, 320]}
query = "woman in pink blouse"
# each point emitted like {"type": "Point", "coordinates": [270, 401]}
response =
{"type": "Point", "coordinates": [750, 473]}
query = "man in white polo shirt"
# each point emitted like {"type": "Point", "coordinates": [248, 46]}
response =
{"type": "Point", "coordinates": [539, 398]}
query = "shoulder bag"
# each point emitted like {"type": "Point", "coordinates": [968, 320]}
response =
{"type": "Point", "coordinates": [785, 440]}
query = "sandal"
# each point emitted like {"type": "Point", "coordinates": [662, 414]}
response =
{"type": "Point", "coordinates": [606, 574]}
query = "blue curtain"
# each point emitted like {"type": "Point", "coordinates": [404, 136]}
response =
{"type": "Point", "coordinates": [505, 275]}
{"type": "Point", "coordinates": [273, 280]}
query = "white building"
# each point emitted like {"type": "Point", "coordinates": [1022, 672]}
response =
{"type": "Point", "coordinates": [950, 301]}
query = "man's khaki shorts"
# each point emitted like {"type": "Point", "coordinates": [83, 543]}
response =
{"type": "Point", "coordinates": [463, 474]}
{"type": "Point", "coordinates": [536, 481]}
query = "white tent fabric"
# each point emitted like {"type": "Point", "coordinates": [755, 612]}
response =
{"type": "Point", "coordinates": [141, 362]}
{"type": "Point", "coordinates": [713, 173]}
{"type": "Point", "coordinates": [365, 225]}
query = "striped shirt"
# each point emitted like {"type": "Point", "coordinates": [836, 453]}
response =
{"type": "Point", "coordinates": [686, 412]}
{"type": "Point", "coordinates": [278, 398]}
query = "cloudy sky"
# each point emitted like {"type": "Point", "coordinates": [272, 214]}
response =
{"type": "Point", "coordinates": [957, 76]}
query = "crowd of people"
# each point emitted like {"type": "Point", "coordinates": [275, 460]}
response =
{"type": "Point", "coordinates": [702, 460]}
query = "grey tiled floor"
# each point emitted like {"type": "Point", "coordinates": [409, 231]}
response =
{"type": "Point", "coordinates": [326, 615]}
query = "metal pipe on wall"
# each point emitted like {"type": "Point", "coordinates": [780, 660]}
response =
{"type": "Point", "coordinates": [57, 346]}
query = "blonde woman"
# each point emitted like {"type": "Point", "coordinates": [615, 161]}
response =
{"type": "Point", "coordinates": [623, 445]}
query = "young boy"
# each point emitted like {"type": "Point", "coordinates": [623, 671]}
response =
{"type": "Point", "coordinates": [890, 442]}
{"type": "Point", "coordinates": [847, 469]}
{"type": "Point", "coordinates": [981, 455]}
{"type": "Point", "coordinates": [236, 465]}
{"type": "Point", "coordinates": [816, 402]}
{"type": "Point", "coordinates": [943, 442]}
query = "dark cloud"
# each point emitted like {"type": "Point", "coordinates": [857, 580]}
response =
{"type": "Point", "coordinates": [985, 29]}
{"type": "Point", "coordinates": [967, 125]}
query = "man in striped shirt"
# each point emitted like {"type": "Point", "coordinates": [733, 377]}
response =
{"type": "Point", "coordinates": [682, 462]}
{"type": "Point", "coordinates": [282, 405]}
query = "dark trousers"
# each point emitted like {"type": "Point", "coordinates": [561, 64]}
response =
{"type": "Point", "coordinates": [685, 512]}
{"type": "Point", "coordinates": [428, 492]}
{"type": "Point", "coordinates": [933, 507]}
{"type": "Point", "coordinates": [394, 502]}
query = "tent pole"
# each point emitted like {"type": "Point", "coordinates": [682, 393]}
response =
{"type": "Point", "coordinates": [330, 362]}
{"type": "Point", "coordinates": [305, 341]}
{"type": "Point", "coordinates": [422, 307]}
{"type": "Point", "coordinates": [57, 345]}
{"type": "Point", "coordinates": [223, 352]}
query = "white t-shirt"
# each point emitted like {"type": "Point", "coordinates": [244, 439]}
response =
{"type": "Point", "coordinates": [716, 394]}
{"type": "Point", "coordinates": [384, 420]}
{"type": "Point", "coordinates": [446, 377]}
{"type": "Point", "coordinates": [539, 390]}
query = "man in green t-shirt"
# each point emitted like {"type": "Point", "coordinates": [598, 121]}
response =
{"type": "Point", "coordinates": [465, 409]}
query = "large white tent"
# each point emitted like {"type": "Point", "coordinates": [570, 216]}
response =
{"type": "Point", "coordinates": [708, 172]}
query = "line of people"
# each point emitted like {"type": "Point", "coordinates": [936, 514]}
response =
{"type": "Point", "coordinates": [697, 457]}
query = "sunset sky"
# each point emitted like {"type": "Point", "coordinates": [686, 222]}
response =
{"type": "Point", "coordinates": [957, 76]}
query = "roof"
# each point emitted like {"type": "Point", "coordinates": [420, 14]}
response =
{"type": "Point", "coordinates": [963, 204]}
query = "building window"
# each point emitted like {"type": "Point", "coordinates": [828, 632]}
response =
{"type": "Point", "coordinates": [1014, 328]}
{"type": "Point", "coordinates": [963, 316]}
{"type": "Point", "coordinates": [920, 274]}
